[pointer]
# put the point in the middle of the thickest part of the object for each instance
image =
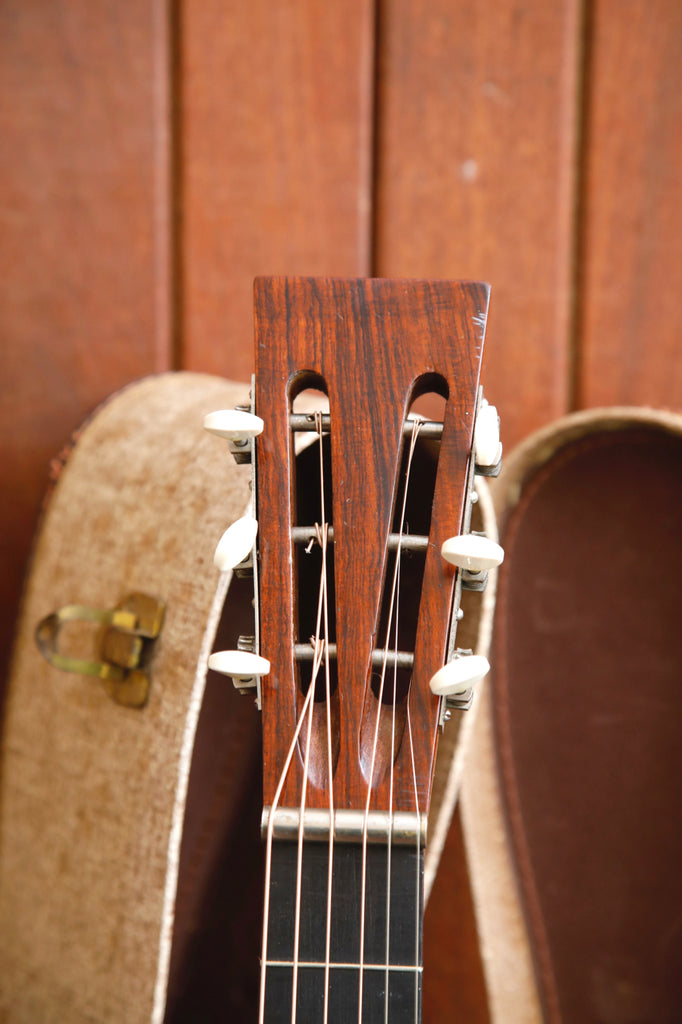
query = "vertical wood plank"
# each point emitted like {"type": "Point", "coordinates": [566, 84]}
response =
{"type": "Point", "coordinates": [475, 176]}
{"type": "Point", "coordinates": [84, 241]}
{"type": "Point", "coordinates": [631, 255]}
{"type": "Point", "coordinates": [276, 106]}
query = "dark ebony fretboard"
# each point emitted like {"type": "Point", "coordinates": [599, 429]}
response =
{"type": "Point", "coordinates": [402, 952]}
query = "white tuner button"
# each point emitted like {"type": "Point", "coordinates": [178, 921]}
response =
{"type": "Point", "coordinates": [459, 675]}
{"type": "Point", "coordinates": [487, 436]}
{"type": "Point", "coordinates": [241, 665]}
{"type": "Point", "coordinates": [233, 424]}
{"type": "Point", "coordinates": [472, 552]}
{"type": "Point", "coordinates": [236, 543]}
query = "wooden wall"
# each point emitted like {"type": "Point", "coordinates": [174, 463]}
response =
{"type": "Point", "coordinates": [156, 155]}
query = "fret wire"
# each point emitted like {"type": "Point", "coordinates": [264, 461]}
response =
{"type": "Point", "coordinates": [341, 965]}
{"type": "Point", "coordinates": [343, 984]}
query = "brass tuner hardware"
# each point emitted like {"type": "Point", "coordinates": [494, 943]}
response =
{"type": "Point", "coordinates": [125, 644]}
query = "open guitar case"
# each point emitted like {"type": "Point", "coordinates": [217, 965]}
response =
{"type": "Point", "coordinates": [573, 786]}
{"type": "Point", "coordinates": [130, 857]}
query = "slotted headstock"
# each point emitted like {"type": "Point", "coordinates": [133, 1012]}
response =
{"type": "Point", "coordinates": [373, 346]}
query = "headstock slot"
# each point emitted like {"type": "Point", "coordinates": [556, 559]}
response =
{"type": "Point", "coordinates": [312, 507]}
{"type": "Point", "coordinates": [418, 507]}
{"type": "Point", "coordinates": [308, 392]}
{"type": "Point", "coordinates": [405, 565]}
{"type": "Point", "coordinates": [308, 555]}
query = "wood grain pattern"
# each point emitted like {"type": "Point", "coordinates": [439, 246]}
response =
{"type": "Point", "coordinates": [475, 176]}
{"type": "Point", "coordinates": [275, 121]}
{"type": "Point", "coordinates": [84, 240]}
{"type": "Point", "coordinates": [475, 149]}
{"type": "Point", "coordinates": [391, 334]}
{"type": "Point", "coordinates": [631, 259]}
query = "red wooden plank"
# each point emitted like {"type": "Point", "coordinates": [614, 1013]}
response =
{"type": "Point", "coordinates": [632, 210]}
{"type": "Point", "coordinates": [276, 105]}
{"type": "Point", "coordinates": [475, 176]}
{"type": "Point", "coordinates": [84, 240]}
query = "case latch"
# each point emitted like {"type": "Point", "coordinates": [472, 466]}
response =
{"type": "Point", "coordinates": [125, 645]}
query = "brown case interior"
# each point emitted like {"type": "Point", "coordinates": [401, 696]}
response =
{"type": "Point", "coordinates": [588, 709]}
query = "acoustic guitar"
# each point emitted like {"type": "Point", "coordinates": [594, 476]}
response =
{"type": "Point", "coordinates": [354, 659]}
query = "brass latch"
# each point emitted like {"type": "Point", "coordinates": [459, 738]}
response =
{"type": "Point", "coordinates": [125, 645]}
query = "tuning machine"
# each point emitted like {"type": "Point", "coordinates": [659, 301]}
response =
{"type": "Point", "coordinates": [238, 427]}
{"type": "Point", "coordinates": [474, 554]}
{"type": "Point", "coordinates": [245, 667]}
{"type": "Point", "coordinates": [235, 548]}
{"type": "Point", "coordinates": [457, 679]}
{"type": "Point", "coordinates": [487, 446]}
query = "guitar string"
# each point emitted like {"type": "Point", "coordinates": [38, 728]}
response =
{"type": "Point", "coordinates": [323, 537]}
{"type": "Point", "coordinates": [307, 704]}
{"type": "Point", "coordinates": [389, 863]}
{"type": "Point", "coordinates": [417, 928]}
{"type": "Point", "coordinates": [414, 777]}
{"type": "Point", "coordinates": [320, 645]}
{"type": "Point", "coordinates": [413, 441]}
{"type": "Point", "coordinates": [317, 659]}
{"type": "Point", "coordinates": [268, 851]}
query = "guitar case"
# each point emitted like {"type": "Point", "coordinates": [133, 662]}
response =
{"type": "Point", "coordinates": [572, 794]}
{"type": "Point", "coordinates": [130, 853]}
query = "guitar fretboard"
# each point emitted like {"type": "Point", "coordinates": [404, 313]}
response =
{"type": "Point", "coordinates": [391, 962]}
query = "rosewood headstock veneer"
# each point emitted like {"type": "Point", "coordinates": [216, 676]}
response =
{"type": "Point", "coordinates": [358, 566]}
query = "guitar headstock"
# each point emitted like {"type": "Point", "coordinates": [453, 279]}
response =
{"type": "Point", "coordinates": [361, 552]}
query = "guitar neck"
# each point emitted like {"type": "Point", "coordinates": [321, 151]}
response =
{"type": "Point", "coordinates": [373, 968]}
{"type": "Point", "coordinates": [358, 574]}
